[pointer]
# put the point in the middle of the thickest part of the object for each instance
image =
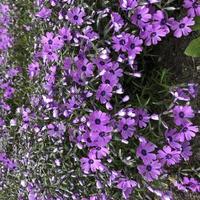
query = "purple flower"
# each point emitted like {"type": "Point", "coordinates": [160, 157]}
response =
{"type": "Point", "coordinates": [33, 69]}
{"type": "Point", "coordinates": [181, 114]}
{"type": "Point", "coordinates": [126, 186]}
{"type": "Point", "coordinates": [173, 138]}
{"type": "Point", "coordinates": [134, 46]}
{"type": "Point", "coordinates": [144, 151]}
{"type": "Point", "coordinates": [153, 34]}
{"type": "Point", "coordinates": [150, 171]}
{"type": "Point", "coordinates": [142, 118]}
{"type": "Point", "coordinates": [126, 127]}
{"type": "Point", "coordinates": [44, 13]}
{"type": "Point", "coordinates": [193, 7]}
{"type": "Point", "coordinates": [182, 27]}
{"type": "Point", "coordinates": [188, 131]}
{"type": "Point", "coordinates": [102, 63]}
{"type": "Point", "coordinates": [85, 67]}
{"type": "Point", "coordinates": [120, 42]}
{"type": "Point", "coordinates": [128, 4]}
{"type": "Point", "coordinates": [100, 152]}
{"type": "Point", "coordinates": [56, 130]}
{"type": "Point", "coordinates": [141, 16]}
{"type": "Point", "coordinates": [110, 79]}
{"type": "Point", "coordinates": [186, 150]}
{"type": "Point", "coordinates": [65, 34]}
{"type": "Point", "coordinates": [169, 156]}
{"type": "Point", "coordinates": [116, 70]}
{"type": "Point", "coordinates": [8, 92]}
{"type": "Point", "coordinates": [98, 120]}
{"type": "Point", "coordinates": [104, 93]}
{"type": "Point", "coordinates": [50, 41]}
{"type": "Point", "coordinates": [91, 164]}
{"type": "Point", "coordinates": [101, 138]}
{"type": "Point", "coordinates": [75, 15]}
{"type": "Point", "coordinates": [117, 21]}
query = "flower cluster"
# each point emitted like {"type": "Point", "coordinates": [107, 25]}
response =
{"type": "Point", "coordinates": [69, 116]}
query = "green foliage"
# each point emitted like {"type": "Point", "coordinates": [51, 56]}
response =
{"type": "Point", "coordinates": [193, 48]}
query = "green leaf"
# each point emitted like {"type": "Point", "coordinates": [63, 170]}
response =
{"type": "Point", "coordinates": [196, 27]}
{"type": "Point", "coordinates": [193, 49]}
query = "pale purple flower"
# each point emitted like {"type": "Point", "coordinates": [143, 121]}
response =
{"type": "Point", "coordinates": [183, 27]}
{"type": "Point", "coordinates": [91, 164]}
{"type": "Point", "coordinates": [44, 13]}
{"type": "Point", "coordinates": [173, 138]}
{"type": "Point", "coordinates": [142, 117]}
{"type": "Point", "coordinates": [182, 114]}
{"type": "Point", "coordinates": [169, 156]}
{"type": "Point", "coordinates": [128, 4]}
{"type": "Point", "coordinates": [188, 131]}
{"type": "Point", "coordinates": [150, 171]}
{"type": "Point", "coordinates": [104, 93]}
{"type": "Point", "coordinates": [76, 15]}
{"type": "Point", "coordinates": [193, 7]}
{"type": "Point", "coordinates": [126, 127]}
{"type": "Point", "coordinates": [145, 151]}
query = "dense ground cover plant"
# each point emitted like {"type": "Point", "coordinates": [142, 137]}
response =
{"type": "Point", "coordinates": [84, 114]}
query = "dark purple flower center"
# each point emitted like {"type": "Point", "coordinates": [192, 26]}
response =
{"type": "Point", "coordinates": [182, 25]}
{"type": "Point", "coordinates": [168, 156]}
{"type": "Point", "coordinates": [140, 117]}
{"type": "Point", "coordinates": [170, 138]}
{"type": "Point", "coordinates": [102, 134]}
{"type": "Point", "coordinates": [89, 140]}
{"type": "Point", "coordinates": [107, 81]}
{"type": "Point", "coordinates": [125, 127]}
{"type": "Point", "coordinates": [103, 93]}
{"type": "Point", "coordinates": [153, 34]}
{"type": "Point", "coordinates": [149, 168]}
{"type": "Point", "coordinates": [132, 46]}
{"type": "Point", "coordinates": [181, 114]}
{"type": "Point", "coordinates": [98, 148]}
{"type": "Point", "coordinates": [122, 42]}
{"type": "Point", "coordinates": [50, 53]}
{"type": "Point", "coordinates": [75, 17]}
{"type": "Point", "coordinates": [139, 16]}
{"type": "Point", "coordinates": [91, 161]}
{"type": "Point", "coordinates": [185, 129]}
{"type": "Point", "coordinates": [50, 42]}
{"type": "Point", "coordinates": [144, 152]}
{"type": "Point", "coordinates": [65, 37]}
{"type": "Point", "coordinates": [83, 68]}
{"type": "Point", "coordinates": [195, 5]}
{"type": "Point", "coordinates": [97, 121]}
{"type": "Point", "coordinates": [102, 63]}
{"type": "Point", "coordinates": [56, 128]}
{"type": "Point", "coordinates": [163, 21]}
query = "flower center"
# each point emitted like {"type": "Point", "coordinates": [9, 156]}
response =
{"type": "Point", "coordinates": [97, 121]}
{"type": "Point", "coordinates": [50, 42]}
{"type": "Point", "coordinates": [91, 161]}
{"type": "Point", "coordinates": [144, 152]}
{"type": "Point", "coordinates": [102, 134]}
{"type": "Point", "coordinates": [75, 17]}
{"type": "Point", "coordinates": [181, 114]}
{"type": "Point", "coordinates": [168, 156]}
{"type": "Point", "coordinates": [103, 93]}
{"type": "Point", "coordinates": [84, 68]}
{"type": "Point", "coordinates": [140, 117]}
{"type": "Point", "coordinates": [125, 127]}
{"type": "Point", "coordinates": [132, 46]}
{"type": "Point", "coordinates": [139, 16]}
{"type": "Point", "coordinates": [107, 81]}
{"type": "Point", "coordinates": [149, 168]}
{"type": "Point", "coordinates": [153, 34]}
{"type": "Point", "coordinates": [182, 25]}
{"type": "Point", "coordinates": [122, 42]}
